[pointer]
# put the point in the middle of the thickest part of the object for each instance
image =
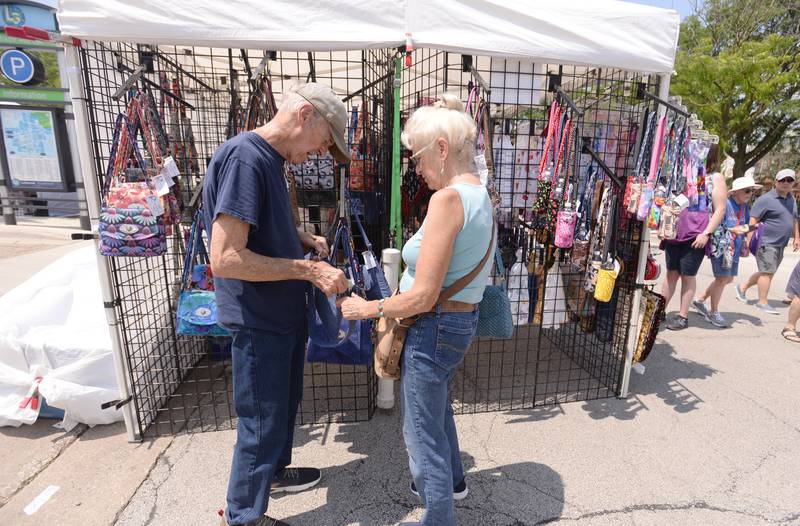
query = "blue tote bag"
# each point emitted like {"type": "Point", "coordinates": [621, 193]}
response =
{"type": "Point", "coordinates": [333, 339]}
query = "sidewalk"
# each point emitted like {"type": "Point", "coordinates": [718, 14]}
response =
{"type": "Point", "coordinates": [709, 436]}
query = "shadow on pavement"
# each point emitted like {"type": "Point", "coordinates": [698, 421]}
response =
{"type": "Point", "coordinates": [664, 378]}
{"type": "Point", "coordinates": [374, 489]}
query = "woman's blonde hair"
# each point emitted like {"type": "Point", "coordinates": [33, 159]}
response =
{"type": "Point", "coordinates": [446, 119]}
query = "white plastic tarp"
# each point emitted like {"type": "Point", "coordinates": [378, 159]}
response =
{"type": "Point", "coordinates": [583, 32]}
{"type": "Point", "coordinates": [53, 329]}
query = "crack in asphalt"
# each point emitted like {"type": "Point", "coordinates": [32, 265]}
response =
{"type": "Point", "coordinates": [693, 505]}
{"type": "Point", "coordinates": [145, 481]}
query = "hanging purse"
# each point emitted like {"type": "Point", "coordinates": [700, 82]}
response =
{"type": "Point", "coordinates": [333, 339]}
{"type": "Point", "coordinates": [668, 225]}
{"type": "Point", "coordinates": [376, 287]}
{"type": "Point", "coordinates": [541, 201]}
{"type": "Point", "coordinates": [197, 313]}
{"type": "Point", "coordinates": [654, 309]}
{"type": "Point", "coordinates": [390, 334]}
{"type": "Point", "coordinates": [494, 318]}
{"type": "Point", "coordinates": [157, 144]}
{"type": "Point", "coordinates": [130, 212]}
{"type": "Point", "coordinates": [607, 275]}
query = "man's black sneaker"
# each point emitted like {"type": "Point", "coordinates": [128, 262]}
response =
{"type": "Point", "coordinates": [459, 491]}
{"type": "Point", "coordinates": [295, 479]}
{"type": "Point", "coordinates": [261, 521]}
{"type": "Point", "coordinates": [678, 323]}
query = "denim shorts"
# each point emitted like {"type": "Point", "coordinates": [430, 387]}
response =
{"type": "Point", "coordinates": [719, 272]}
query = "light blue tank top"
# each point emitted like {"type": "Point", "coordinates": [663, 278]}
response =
{"type": "Point", "coordinates": [469, 249]}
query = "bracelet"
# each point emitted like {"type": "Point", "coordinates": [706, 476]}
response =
{"type": "Point", "coordinates": [380, 308]}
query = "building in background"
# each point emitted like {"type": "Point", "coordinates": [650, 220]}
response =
{"type": "Point", "coordinates": [37, 168]}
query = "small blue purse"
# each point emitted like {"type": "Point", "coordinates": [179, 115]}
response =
{"type": "Point", "coordinates": [494, 319]}
{"type": "Point", "coordinates": [375, 285]}
{"type": "Point", "coordinates": [333, 339]}
{"type": "Point", "coordinates": [197, 308]}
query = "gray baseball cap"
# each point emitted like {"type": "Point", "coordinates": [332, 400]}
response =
{"type": "Point", "coordinates": [333, 111]}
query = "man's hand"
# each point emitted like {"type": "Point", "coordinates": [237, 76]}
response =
{"type": "Point", "coordinates": [739, 230]}
{"type": "Point", "coordinates": [316, 243]}
{"type": "Point", "coordinates": [328, 279]}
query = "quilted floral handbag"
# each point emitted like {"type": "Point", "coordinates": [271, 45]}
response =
{"type": "Point", "coordinates": [130, 213]}
{"type": "Point", "coordinates": [197, 313]}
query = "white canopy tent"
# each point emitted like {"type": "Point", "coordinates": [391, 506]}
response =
{"type": "Point", "coordinates": [604, 33]}
{"type": "Point", "coordinates": [600, 33]}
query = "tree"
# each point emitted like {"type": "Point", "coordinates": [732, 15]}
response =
{"type": "Point", "coordinates": [738, 68]}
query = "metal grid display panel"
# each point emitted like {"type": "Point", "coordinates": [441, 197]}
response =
{"type": "Point", "coordinates": [183, 384]}
{"type": "Point", "coordinates": [552, 356]}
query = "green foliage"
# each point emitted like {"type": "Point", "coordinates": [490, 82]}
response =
{"type": "Point", "coordinates": [738, 68]}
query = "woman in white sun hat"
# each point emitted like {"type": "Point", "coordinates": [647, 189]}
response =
{"type": "Point", "coordinates": [726, 267]}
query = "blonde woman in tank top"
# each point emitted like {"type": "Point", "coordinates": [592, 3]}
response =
{"type": "Point", "coordinates": [451, 242]}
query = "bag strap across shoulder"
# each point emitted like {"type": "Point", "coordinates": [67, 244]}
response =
{"type": "Point", "coordinates": [462, 282]}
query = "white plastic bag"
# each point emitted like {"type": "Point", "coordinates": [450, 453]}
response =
{"type": "Point", "coordinates": [54, 328]}
{"type": "Point", "coordinates": [518, 291]}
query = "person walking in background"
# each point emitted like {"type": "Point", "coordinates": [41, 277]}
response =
{"type": "Point", "coordinates": [685, 253]}
{"type": "Point", "coordinates": [793, 291]}
{"type": "Point", "coordinates": [777, 211]}
{"type": "Point", "coordinates": [726, 267]}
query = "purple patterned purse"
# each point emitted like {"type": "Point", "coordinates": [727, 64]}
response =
{"type": "Point", "coordinates": [130, 213]}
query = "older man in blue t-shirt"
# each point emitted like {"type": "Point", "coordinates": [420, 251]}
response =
{"type": "Point", "coordinates": [261, 279]}
{"type": "Point", "coordinates": [777, 211]}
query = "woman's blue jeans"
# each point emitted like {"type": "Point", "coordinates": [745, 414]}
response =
{"type": "Point", "coordinates": [434, 348]}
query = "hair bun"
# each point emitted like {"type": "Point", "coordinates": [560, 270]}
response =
{"type": "Point", "coordinates": [450, 102]}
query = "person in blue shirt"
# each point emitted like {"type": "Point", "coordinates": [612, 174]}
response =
{"type": "Point", "coordinates": [261, 280]}
{"type": "Point", "coordinates": [737, 221]}
{"type": "Point", "coordinates": [776, 210]}
{"type": "Point", "coordinates": [453, 240]}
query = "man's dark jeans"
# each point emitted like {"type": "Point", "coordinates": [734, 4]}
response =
{"type": "Point", "coordinates": [267, 388]}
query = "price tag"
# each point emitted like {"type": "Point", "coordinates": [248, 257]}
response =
{"type": "Point", "coordinates": [155, 206]}
{"type": "Point", "coordinates": [369, 260]}
{"type": "Point", "coordinates": [480, 163]}
{"type": "Point", "coordinates": [161, 184]}
{"type": "Point", "coordinates": [167, 177]}
{"type": "Point", "coordinates": [170, 167]}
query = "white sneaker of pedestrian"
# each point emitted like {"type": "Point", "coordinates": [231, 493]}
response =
{"type": "Point", "coordinates": [740, 294]}
{"type": "Point", "coordinates": [766, 308]}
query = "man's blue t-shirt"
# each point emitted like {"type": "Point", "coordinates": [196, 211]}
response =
{"type": "Point", "coordinates": [246, 180]}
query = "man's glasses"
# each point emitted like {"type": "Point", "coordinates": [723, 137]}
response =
{"type": "Point", "coordinates": [786, 181]}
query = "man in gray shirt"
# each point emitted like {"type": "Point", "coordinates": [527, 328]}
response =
{"type": "Point", "coordinates": [777, 211]}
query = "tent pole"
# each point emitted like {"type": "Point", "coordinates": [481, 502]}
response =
{"type": "Point", "coordinates": [86, 162]}
{"type": "Point", "coordinates": [644, 250]}
{"type": "Point", "coordinates": [396, 221]}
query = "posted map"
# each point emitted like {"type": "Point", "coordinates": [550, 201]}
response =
{"type": "Point", "coordinates": [30, 142]}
